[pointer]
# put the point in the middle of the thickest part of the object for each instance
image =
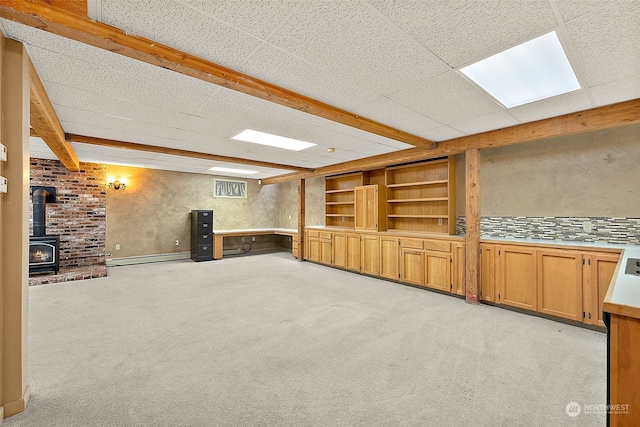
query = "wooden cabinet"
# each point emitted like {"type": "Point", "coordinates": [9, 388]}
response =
{"type": "Point", "coordinates": [368, 210]}
{"type": "Point", "coordinates": [319, 246]}
{"type": "Point", "coordinates": [458, 268]}
{"type": "Point", "coordinates": [517, 277]}
{"type": "Point", "coordinates": [412, 265]}
{"type": "Point", "coordinates": [339, 258]}
{"type": "Point", "coordinates": [370, 254]}
{"type": "Point", "coordinates": [438, 270]}
{"type": "Point", "coordinates": [389, 258]}
{"type": "Point", "coordinates": [560, 283]}
{"type": "Point", "coordinates": [488, 282]}
{"type": "Point", "coordinates": [340, 200]}
{"type": "Point", "coordinates": [353, 252]}
{"type": "Point", "coordinates": [421, 196]}
{"type": "Point", "coordinates": [597, 275]}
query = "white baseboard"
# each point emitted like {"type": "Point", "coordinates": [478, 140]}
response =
{"type": "Point", "coordinates": [143, 259]}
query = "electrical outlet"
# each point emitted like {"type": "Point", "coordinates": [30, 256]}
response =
{"type": "Point", "coordinates": [177, 242]}
{"type": "Point", "coordinates": [3, 184]}
{"type": "Point", "coordinates": [3, 152]}
{"type": "Point", "coordinates": [289, 216]}
{"type": "Point", "coordinates": [253, 239]}
{"type": "Point", "coordinates": [439, 221]}
{"type": "Point", "coordinates": [587, 226]}
{"type": "Point", "coordinates": [117, 246]}
{"type": "Point", "coordinates": [243, 238]}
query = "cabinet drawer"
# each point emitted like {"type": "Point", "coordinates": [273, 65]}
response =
{"type": "Point", "coordinates": [204, 238]}
{"type": "Point", "coordinates": [325, 235]}
{"type": "Point", "coordinates": [205, 216]}
{"type": "Point", "coordinates": [204, 227]}
{"type": "Point", "coordinates": [313, 233]}
{"type": "Point", "coordinates": [412, 243]}
{"type": "Point", "coordinates": [204, 251]}
{"type": "Point", "coordinates": [437, 245]}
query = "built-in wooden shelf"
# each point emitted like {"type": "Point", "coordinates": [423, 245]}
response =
{"type": "Point", "coordinates": [416, 184]}
{"type": "Point", "coordinates": [339, 199]}
{"type": "Point", "coordinates": [421, 196]}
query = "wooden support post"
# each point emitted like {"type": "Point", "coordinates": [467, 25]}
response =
{"type": "Point", "coordinates": [472, 212]}
{"type": "Point", "coordinates": [14, 228]}
{"type": "Point", "coordinates": [301, 220]}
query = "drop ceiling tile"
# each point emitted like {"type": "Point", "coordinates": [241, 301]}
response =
{"type": "Point", "coordinates": [606, 42]}
{"type": "Point", "coordinates": [386, 111]}
{"type": "Point", "coordinates": [571, 9]}
{"type": "Point", "coordinates": [38, 149]}
{"type": "Point", "coordinates": [447, 98]}
{"type": "Point", "coordinates": [375, 149]}
{"type": "Point", "coordinates": [617, 91]}
{"type": "Point", "coordinates": [498, 120]}
{"type": "Point", "coordinates": [463, 32]}
{"type": "Point", "coordinates": [377, 55]}
{"type": "Point", "coordinates": [313, 80]}
{"type": "Point", "coordinates": [551, 107]}
{"type": "Point", "coordinates": [256, 17]}
{"type": "Point", "coordinates": [163, 21]}
{"type": "Point", "coordinates": [444, 133]}
{"type": "Point", "coordinates": [110, 133]}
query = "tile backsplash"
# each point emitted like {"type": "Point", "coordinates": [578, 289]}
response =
{"type": "Point", "coordinates": [603, 229]}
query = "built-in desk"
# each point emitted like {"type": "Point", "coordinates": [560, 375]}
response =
{"type": "Point", "coordinates": [219, 236]}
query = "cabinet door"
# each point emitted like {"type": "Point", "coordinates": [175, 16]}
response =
{"type": "Point", "coordinates": [412, 266]}
{"type": "Point", "coordinates": [370, 255]}
{"type": "Point", "coordinates": [339, 250]}
{"type": "Point", "coordinates": [366, 207]}
{"type": "Point", "coordinates": [325, 251]}
{"type": "Point", "coordinates": [353, 252]}
{"type": "Point", "coordinates": [488, 282]}
{"type": "Point", "coordinates": [389, 258]}
{"type": "Point", "coordinates": [517, 277]}
{"type": "Point", "coordinates": [560, 283]}
{"type": "Point", "coordinates": [458, 269]}
{"type": "Point", "coordinates": [438, 270]}
{"type": "Point", "coordinates": [313, 254]}
{"type": "Point", "coordinates": [598, 273]}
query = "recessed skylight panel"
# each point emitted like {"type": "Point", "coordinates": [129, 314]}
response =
{"type": "Point", "coordinates": [263, 138]}
{"type": "Point", "coordinates": [529, 72]}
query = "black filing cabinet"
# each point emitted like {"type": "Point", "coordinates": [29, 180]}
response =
{"type": "Point", "coordinates": [201, 235]}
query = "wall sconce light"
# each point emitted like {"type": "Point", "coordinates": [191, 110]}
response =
{"type": "Point", "coordinates": [117, 183]}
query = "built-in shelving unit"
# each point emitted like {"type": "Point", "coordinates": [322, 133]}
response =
{"type": "Point", "coordinates": [340, 199]}
{"type": "Point", "coordinates": [421, 196]}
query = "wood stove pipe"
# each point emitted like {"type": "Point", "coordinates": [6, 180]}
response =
{"type": "Point", "coordinates": [40, 197]}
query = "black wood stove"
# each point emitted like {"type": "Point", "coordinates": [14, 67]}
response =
{"type": "Point", "coordinates": [44, 250]}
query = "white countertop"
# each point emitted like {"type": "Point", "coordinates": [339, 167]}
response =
{"type": "Point", "coordinates": [623, 296]}
{"type": "Point", "coordinates": [572, 243]}
{"type": "Point", "coordinates": [256, 230]}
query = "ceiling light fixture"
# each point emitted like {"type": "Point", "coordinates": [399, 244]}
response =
{"type": "Point", "coordinates": [256, 137]}
{"type": "Point", "coordinates": [529, 72]}
{"type": "Point", "coordinates": [230, 170]}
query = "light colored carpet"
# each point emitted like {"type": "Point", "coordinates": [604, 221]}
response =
{"type": "Point", "coordinates": [266, 340]}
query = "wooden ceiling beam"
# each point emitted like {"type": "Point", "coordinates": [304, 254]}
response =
{"type": "Point", "coordinates": [610, 116]}
{"type": "Point", "coordinates": [46, 124]}
{"type": "Point", "coordinates": [64, 19]}
{"type": "Point", "coordinates": [177, 152]}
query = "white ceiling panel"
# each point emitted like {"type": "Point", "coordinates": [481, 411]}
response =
{"type": "Point", "coordinates": [257, 17]}
{"type": "Point", "coordinates": [557, 106]}
{"type": "Point", "coordinates": [498, 120]}
{"type": "Point", "coordinates": [617, 91]}
{"type": "Point", "coordinates": [353, 40]}
{"type": "Point", "coordinates": [603, 54]}
{"type": "Point", "coordinates": [389, 61]}
{"type": "Point", "coordinates": [447, 98]}
{"type": "Point", "coordinates": [181, 27]}
{"type": "Point", "coordinates": [460, 32]}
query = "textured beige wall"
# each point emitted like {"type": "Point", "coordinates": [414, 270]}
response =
{"type": "Point", "coordinates": [314, 201]}
{"type": "Point", "coordinates": [288, 203]}
{"type": "Point", "coordinates": [591, 174]}
{"type": "Point", "coordinates": [154, 210]}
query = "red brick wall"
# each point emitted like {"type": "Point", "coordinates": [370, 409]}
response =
{"type": "Point", "coordinates": [79, 215]}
